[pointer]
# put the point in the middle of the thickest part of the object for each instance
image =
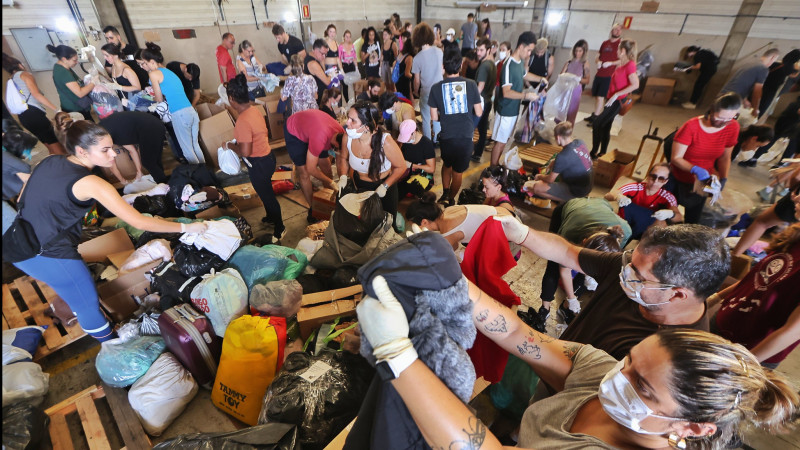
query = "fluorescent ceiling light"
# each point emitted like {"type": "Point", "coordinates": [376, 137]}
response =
{"type": "Point", "coordinates": [554, 18]}
{"type": "Point", "coordinates": [288, 17]}
{"type": "Point", "coordinates": [475, 4]}
{"type": "Point", "coordinates": [65, 24]}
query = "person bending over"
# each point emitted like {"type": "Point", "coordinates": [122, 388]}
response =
{"type": "Point", "coordinates": [572, 163]}
{"type": "Point", "coordinates": [495, 185]}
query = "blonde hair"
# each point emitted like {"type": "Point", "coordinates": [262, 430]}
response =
{"type": "Point", "coordinates": [716, 381]}
{"type": "Point", "coordinates": [297, 65]}
{"type": "Point", "coordinates": [541, 44]}
{"type": "Point", "coordinates": [630, 48]}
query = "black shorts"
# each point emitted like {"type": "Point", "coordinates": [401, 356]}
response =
{"type": "Point", "coordinates": [456, 153]}
{"type": "Point", "coordinates": [600, 86]}
{"type": "Point", "coordinates": [784, 208]}
{"type": "Point", "coordinates": [36, 121]}
{"type": "Point", "coordinates": [296, 148]}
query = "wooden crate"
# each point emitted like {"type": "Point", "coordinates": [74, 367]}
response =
{"type": "Point", "coordinates": [322, 307]}
{"type": "Point", "coordinates": [24, 303]}
{"type": "Point", "coordinates": [83, 403]}
{"type": "Point", "coordinates": [535, 156]}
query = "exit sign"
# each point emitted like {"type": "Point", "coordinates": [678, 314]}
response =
{"type": "Point", "coordinates": [306, 12]}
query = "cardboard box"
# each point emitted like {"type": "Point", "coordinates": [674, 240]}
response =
{"type": "Point", "coordinates": [323, 203]}
{"type": "Point", "coordinates": [217, 211]}
{"type": "Point", "coordinates": [125, 165]}
{"type": "Point", "coordinates": [271, 96]}
{"type": "Point", "coordinates": [658, 91]}
{"type": "Point", "coordinates": [98, 249]}
{"type": "Point", "coordinates": [215, 131]}
{"type": "Point", "coordinates": [207, 110]}
{"type": "Point", "coordinates": [611, 166]}
{"type": "Point", "coordinates": [275, 120]}
{"type": "Point", "coordinates": [244, 197]}
{"type": "Point", "coordinates": [323, 307]}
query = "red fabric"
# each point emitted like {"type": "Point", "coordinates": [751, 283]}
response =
{"type": "Point", "coordinates": [703, 148]}
{"type": "Point", "coordinates": [279, 324]}
{"type": "Point", "coordinates": [608, 52]}
{"type": "Point", "coordinates": [619, 79]}
{"type": "Point", "coordinates": [405, 100]}
{"type": "Point", "coordinates": [314, 127]}
{"type": "Point", "coordinates": [224, 59]}
{"type": "Point", "coordinates": [486, 260]}
{"type": "Point", "coordinates": [281, 186]}
{"type": "Point", "coordinates": [637, 192]}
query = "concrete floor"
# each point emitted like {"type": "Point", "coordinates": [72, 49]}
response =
{"type": "Point", "coordinates": [72, 369]}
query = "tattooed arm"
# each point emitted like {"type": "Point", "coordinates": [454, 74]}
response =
{"type": "Point", "coordinates": [550, 358]}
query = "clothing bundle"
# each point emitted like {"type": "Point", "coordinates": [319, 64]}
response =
{"type": "Point", "coordinates": [222, 238]}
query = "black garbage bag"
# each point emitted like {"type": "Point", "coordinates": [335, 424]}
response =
{"type": "Point", "coordinates": [25, 427]}
{"type": "Point", "coordinates": [196, 175]}
{"type": "Point", "coordinates": [472, 196]}
{"type": "Point", "coordinates": [514, 183]}
{"type": "Point", "coordinates": [167, 280]}
{"type": "Point", "coordinates": [320, 408]}
{"type": "Point", "coordinates": [174, 239]}
{"type": "Point", "coordinates": [344, 276]}
{"type": "Point", "coordinates": [312, 283]}
{"type": "Point", "coordinates": [271, 436]}
{"type": "Point", "coordinates": [91, 232]}
{"type": "Point", "coordinates": [359, 228]}
{"type": "Point", "coordinates": [157, 205]}
{"type": "Point", "coordinates": [193, 262]}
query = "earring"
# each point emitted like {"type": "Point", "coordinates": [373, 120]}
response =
{"type": "Point", "coordinates": [676, 441]}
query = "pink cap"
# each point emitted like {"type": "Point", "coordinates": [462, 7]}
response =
{"type": "Point", "coordinates": [407, 128]}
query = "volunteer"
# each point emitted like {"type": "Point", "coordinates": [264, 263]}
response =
{"type": "Point", "coordinates": [331, 99]}
{"type": "Point", "coordinates": [371, 54]}
{"type": "Point", "coordinates": [34, 119]}
{"type": "Point", "coordinates": [347, 58]}
{"type": "Point", "coordinates": [301, 88]}
{"type": "Point", "coordinates": [136, 128]}
{"type": "Point", "coordinates": [406, 61]}
{"type": "Point", "coordinates": [248, 64]}
{"type": "Point", "coordinates": [53, 202]}
{"type": "Point", "coordinates": [309, 134]}
{"type": "Point", "coordinates": [390, 54]}
{"type": "Point", "coordinates": [495, 186]}
{"type": "Point", "coordinates": [573, 164]}
{"type": "Point", "coordinates": [72, 93]}
{"type": "Point", "coordinates": [121, 73]}
{"type": "Point", "coordinates": [420, 159]}
{"type": "Point", "coordinates": [373, 155]}
{"type": "Point", "coordinates": [252, 142]}
{"type": "Point", "coordinates": [578, 66]}
{"type": "Point", "coordinates": [399, 110]}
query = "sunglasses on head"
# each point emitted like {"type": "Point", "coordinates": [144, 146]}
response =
{"type": "Point", "coordinates": [736, 117]}
{"type": "Point", "coordinates": [655, 177]}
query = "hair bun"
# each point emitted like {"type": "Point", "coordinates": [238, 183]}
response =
{"type": "Point", "coordinates": [428, 198]}
{"type": "Point", "coordinates": [51, 48]}
{"type": "Point", "coordinates": [152, 46]}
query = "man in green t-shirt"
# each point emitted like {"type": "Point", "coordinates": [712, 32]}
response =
{"type": "Point", "coordinates": [509, 94]}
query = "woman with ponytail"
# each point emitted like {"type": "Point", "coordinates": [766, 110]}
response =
{"type": "Point", "coordinates": [54, 200]}
{"type": "Point", "coordinates": [72, 93]}
{"type": "Point", "coordinates": [168, 87]}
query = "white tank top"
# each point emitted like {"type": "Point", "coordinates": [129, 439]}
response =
{"type": "Point", "coordinates": [361, 165]}
{"type": "Point", "coordinates": [476, 215]}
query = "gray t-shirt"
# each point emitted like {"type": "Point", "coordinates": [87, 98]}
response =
{"type": "Point", "coordinates": [743, 80]}
{"type": "Point", "coordinates": [574, 165]}
{"type": "Point", "coordinates": [11, 182]}
{"type": "Point", "coordinates": [428, 66]}
{"type": "Point", "coordinates": [545, 424]}
{"type": "Point", "coordinates": [469, 30]}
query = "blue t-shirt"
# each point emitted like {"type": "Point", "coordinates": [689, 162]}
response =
{"type": "Point", "coordinates": [172, 89]}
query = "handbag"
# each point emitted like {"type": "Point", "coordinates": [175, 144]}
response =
{"type": "Point", "coordinates": [14, 101]}
{"type": "Point", "coordinates": [20, 242]}
{"type": "Point", "coordinates": [625, 105]}
{"type": "Point", "coordinates": [85, 103]}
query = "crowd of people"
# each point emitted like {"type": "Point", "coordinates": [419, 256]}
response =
{"type": "Point", "coordinates": [637, 365]}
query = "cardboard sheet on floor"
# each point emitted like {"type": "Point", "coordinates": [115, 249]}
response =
{"type": "Point", "coordinates": [215, 131]}
{"type": "Point", "coordinates": [297, 197]}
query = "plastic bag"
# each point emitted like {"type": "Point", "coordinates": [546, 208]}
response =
{"type": "Point", "coordinates": [13, 354]}
{"type": "Point", "coordinates": [146, 254]}
{"type": "Point", "coordinates": [320, 394]}
{"type": "Point", "coordinates": [222, 297]}
{"type": "Point", "coordinates": [260, 265]}
{"type": "Point", "coordinates": [24, 382]}
{"type": "Point", "coordinates": [171, 284]}
{"type": "Point", "coordinates": [229, 161]}
{"type": "Point", "coordinates": [277, 298]}
{"type": "Point", "coordinates": [157, 205]}
{"type": "Point", "coordinates": [24, 338]}
{"type": "Point", "coordinates": [104, 101]}
{"type": "Point", "coordinates": [162, 394]}
{"type": "Point", "coordinates": [511, 159]}
{"type": "Point", "coordinates": [193, 262]}
{"type": "Point", "coordinates": [144, 184]}
{"type": "Point", "coordinates": [271, 436]}
{"type": "Point", "coordinates": [351, 77]}
{"type": "Point", "coordinates": [120, 363]}
{"type": "Point", "coordinates": [545, 129]}
{"type": "Point", "coordinates": [254, 343]}
{"type": "Point", "coordinates": [559, 96]}
{"type": "Point", "coordinates": [514, 391]}
{"type": "Point", "coordinates": [309, 247]}
{"type": "Point", "coordinates": [25, 427]}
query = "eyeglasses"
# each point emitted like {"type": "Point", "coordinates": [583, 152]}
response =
{"type": "Point", "coordinates": [726, 120]}
{"type": "Point", "coordinates": [627, 274]}
{"type": "Point", "coordinates": [658, 178]}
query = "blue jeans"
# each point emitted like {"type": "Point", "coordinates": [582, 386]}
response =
{"type": "Point", "coordinates": [186, 124]}
{"type": "Point", "coordinates": [72, 281]}
{"type": "Point", "coordinates": [425, 110]}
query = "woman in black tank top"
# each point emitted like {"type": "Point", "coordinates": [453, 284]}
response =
{"type": "Point", "coordinates": [332, 55]}
{"type": "Point", "coordinates": [390, 51]}
{"type": "Point", "coordinates": [122, 74]}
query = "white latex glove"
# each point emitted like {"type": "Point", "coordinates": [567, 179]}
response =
{"type": "Point", "coordinates": [623, 201]}
{"type": "Point", "coordinates": [415, 229]}
{"type": "Point", "coordinates": [611, 100]}
{"type": "Point", "coordinates": [381, 191]}
{"type": "Point", "coordinates": [590, 283]}
{"type": "Point", "coordinates": [515, 230]}
{"type": "Point", "coordinates": [607, 64]}
{"type": "Point", "coordinates": [195, 227]}
{"type": "Point", "coordinates": [408, 164]}
{"type": "Point", "coordinates": [664, 214]}
{"type": "Point", "coordinates": [342, 183]}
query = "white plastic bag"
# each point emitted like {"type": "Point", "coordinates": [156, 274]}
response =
{"type": "Point", "coordinates": [309, 247]}
{"type": "Point", "coordinates": [222, 297]}
{"type": "Point", "coordinates": [559, 97]}
{"type": "Point", "coordinates": [13, 354]}
{"type": "Point", "coordinates": [511, 159]}
{"type": "Point", "coordinates": [24, 381]}
{"type": "Point", "coordinates": [351, 77]}
{"type": "Point", "coordinates": [142, 185]}
{"type": "Point", "coordinates": [149, 252]}
{"type": "Point", "coordinates": [228, 160]}
{"type": "Point", "coordinates": [161, 394]}
{"type": "Point", "coordinates": [14, 101]}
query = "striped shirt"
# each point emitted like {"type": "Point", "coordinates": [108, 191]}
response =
{"type": "Point", "coordinates": [637, 192]}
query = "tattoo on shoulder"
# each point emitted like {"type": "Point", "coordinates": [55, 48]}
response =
{"type": "Point", "coordinates": [498, 325]}
{"type": "Point", "coordinates": [482, 316]}
{"type": "Point", "coordinates": [570, 349]}
{"type": "Point", "coordinates": [475, 436]}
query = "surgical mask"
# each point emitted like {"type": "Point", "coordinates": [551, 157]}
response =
{"type": "Point", "coordinates": [389, 111]}
{"type": "Point", "coordinates": [630, 291]}
{"type": "Point", "coordinates": [353, 134]}
{"type": "Point", "coordinates": [621, 402]}
{"type": "Point", "coordinates": [450, 37]}
{"type": "Point", "coordinates": [502, 55]}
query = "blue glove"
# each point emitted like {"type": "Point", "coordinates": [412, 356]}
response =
{"type": "Point", "coordinates": [700, 173]}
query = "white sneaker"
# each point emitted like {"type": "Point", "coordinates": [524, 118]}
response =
{"type": "Point", "coordinates": [689, 105]}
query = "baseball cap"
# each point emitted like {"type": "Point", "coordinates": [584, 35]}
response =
{"type": "Point", "coordinates": [407, 128]}
{"type": "Point", "coordinates": [451, 31]}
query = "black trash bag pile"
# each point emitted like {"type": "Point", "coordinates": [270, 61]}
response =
{"type": "Point", "coordinates": [188, 180]}
{"type": "Point", "coordinates": [174, 239]}
{"type": "Point", "coordinates": [171, 284]}
{"type": "Point", "coordinates": [156, 205]}
{"type": "Point", "coordinates": [472, 196]}
{"type": "Point", "coordinates": [271, 436]}
{"type": "Point", "coordinates": [515, 181]}
{"type": "Point", "coordinates": [359, 228]}
{"type": "Point", "coordinates": [91, 232]}
{"type": "Point", "coordinates": [193, 262]}
{"type": "Point", "coordinates": [320, 408]}
{"type": "Point", "coordinates": [25, 427]}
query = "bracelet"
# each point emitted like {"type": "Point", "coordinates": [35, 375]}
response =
{"type": "Point", "coordinates": [183, 228]}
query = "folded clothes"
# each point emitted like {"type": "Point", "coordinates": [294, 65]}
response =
{"type": "Point", "coordinates": [222, 238]}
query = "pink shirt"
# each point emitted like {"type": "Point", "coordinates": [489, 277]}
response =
{"type": "Point", "coordinates": [619, 79]}
{"type": "Point", "coordinates": [314, 127]}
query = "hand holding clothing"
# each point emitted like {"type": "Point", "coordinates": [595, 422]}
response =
{"type": "Point", "coordinates": [623, 201]}
{"type": "Point", "coordinates": [195, 227]}
{"type": "Point", "coordinates": [515, 230]}
{"type": "Point", "coordinates": [342, 183]}
{"type": "Point", "coordinates": [664, 214]}
{"type": "Point", "coordinates": [700, 173]}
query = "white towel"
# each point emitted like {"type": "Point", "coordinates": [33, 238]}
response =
{"type": "Point", "coordinates": [221, 238]}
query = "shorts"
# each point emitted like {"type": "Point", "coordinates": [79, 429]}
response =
{"type": "Point", "coordinates": [503, 128]}
{"type": "Point", "coordinates": [600, 86]}
{"type": "Point", "coordinates": [296, 148]}
{"type": "Point", "coordinates": [35, 120]}
{"type": "Point", "coordinates": [456, 153]}
{"type": "Point", "coordinates": [561, 191]}
{"type": "Point", "coordinates": [784, 208]}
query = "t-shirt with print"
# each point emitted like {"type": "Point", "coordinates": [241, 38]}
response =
{"type": "Point", "coordinates": [703, 148]}
{"type": "Point", "coordinates": [611, 321]}
{"type": "Point", "coordinates": [455, 99]}
{"type": "Point", "coordinates": [251, 127]}
{"type": "Point", "coordinates": [224, 60]}
{"type": "Point", "coordinates": [574, 164]}
{"type": "Point", "coordinates": [292, 47]}
{"type": "Point", "coordinates": [637, 192]}
{"type": "Point", "coordinates": [420, 152]}
{"type": "Point", "coordinates": [68, 99]}
{"type": "Point", "coordinates": [315, 128]}
{"type": "Point", "coordinates": [512, 74]}
{"type": "Point", "coordinates": [427, 66]}
{"type": "Point", "coordinates": [745, 78]}
{"type": "Point", "coordinates": [608, 52]}
{"type": "Point", "coordinates": [487, 72]}
{"type": "Point", "coordinates": [470, 30]}
{"type": "Point", "coordinates": [580, 217]}
{"type": "Point", "coordinates": [620, 80]}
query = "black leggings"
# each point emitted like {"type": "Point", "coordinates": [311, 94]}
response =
{"type": "Point", "coordinates": [700, 84]}
{"type": "Point", "coordinates": [151, 146]}
{"type": "Point", "coordinates": [601, 128]}
{"type": "Point", "coordinates": [693, 203]}
{"type": "Point", "coordinates": [389, 201]}
{"type": "Point", "coordinates": [551, 273]}
{"type": "Point", "coordinates": [261, 178]}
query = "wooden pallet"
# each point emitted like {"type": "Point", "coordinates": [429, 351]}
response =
{"type": "Point", "coordinates": [534, 157]}
{"type": "Point", "coordinates": [24, 303]}
{"type": "Point", "coordinates": [83, 403]}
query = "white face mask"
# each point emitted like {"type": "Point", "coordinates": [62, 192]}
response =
{"type": "Point", "coordinates": [353, 134]}
{"type": "Point", "coordinates": [502, 55]}
{"type": "Point", "coordinates": [389, 111]}
{"type": "Point", "coordinates": [621, 402]}
{"type": "Point", "coordinates": [632, 293]}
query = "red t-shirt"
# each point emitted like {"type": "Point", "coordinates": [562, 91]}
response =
{"type": "Point", "coordinates": [224, 59]}
{"type": "Point", "coordinates": [637, 192]}
{"type": "Point", "coordinates": [619, 79]}
{"type": "Point", "coordinates": [314, 127]}
{"type": "Point", "coordinates": [762, 302]}
{"type": "Point", "coordinates": [703, 148]}
{"type": "Point", "coordinates": [608, 52]}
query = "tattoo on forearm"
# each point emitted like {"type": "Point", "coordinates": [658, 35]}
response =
{"type": "Point", "coordinates": [543, 338]}
{"type": "Point", "coordinates": [475, 437]}
{"type": "Point", "coordinates": [482, 316]}
{"type": "Point", "coordinates": [570, 349]}
{"type": "Point", "coordinates": [496, 326]}
{"type": "Point", "coordinates": [529, 348]}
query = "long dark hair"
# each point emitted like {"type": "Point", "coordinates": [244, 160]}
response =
{"type": "Point", "coordinates": [82, 133]}
{"type": "Point", "coordinates": [112, 49]}
{"type": "Point", "coordinates": [11, 64]}
{"type": "Point", "coordinates": [369, 116]}
{"type": "Point", "coordinates": [374, 32]}
{"type": "Point", "coordinates": [152, 53]}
